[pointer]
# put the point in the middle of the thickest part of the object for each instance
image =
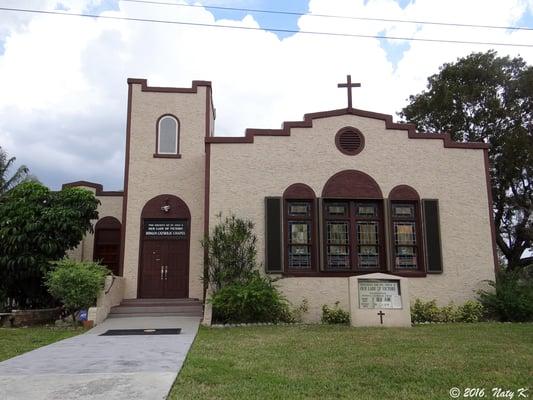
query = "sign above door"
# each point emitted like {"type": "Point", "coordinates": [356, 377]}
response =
{"type": "Point", "coordinates": [165, 228]}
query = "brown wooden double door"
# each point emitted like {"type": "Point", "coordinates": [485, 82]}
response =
{"type": "Point", "coordinates": [164, 269]}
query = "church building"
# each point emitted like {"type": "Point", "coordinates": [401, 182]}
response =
{"type": "Point", "coordinates": [340, 193]}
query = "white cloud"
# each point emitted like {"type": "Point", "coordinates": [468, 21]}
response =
{"type": "Point", "coordinates": [63, 79]}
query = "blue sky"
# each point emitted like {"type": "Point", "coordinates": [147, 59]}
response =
{"type": "Point", "coordinates": [280, 21]}
{"type": "Point", "coordinates": [394, 49]}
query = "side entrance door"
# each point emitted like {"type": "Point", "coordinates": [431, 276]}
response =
{"type": "Point", "coordinates": [165, 260]}
{"type": "Point", "coordinates": [107, 243]}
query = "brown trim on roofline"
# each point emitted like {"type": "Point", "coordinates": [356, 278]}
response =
{"type": "Point", "coordinates": [98, 187]}
{"type": "Point", "coordinates": [307, 122]}
{"type": "Point", "coordinates": [146, 88]}
{"type": "Point", "coordinates": [126, 179]}
{"type": "Point", "coordinates": [491, 210]}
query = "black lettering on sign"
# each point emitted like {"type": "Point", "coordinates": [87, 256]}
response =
{"type": "Point", "coordinates": [165, 228]}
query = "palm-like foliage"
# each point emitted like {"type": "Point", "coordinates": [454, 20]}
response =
{"type": "Point", "coordinates": [7, 183]}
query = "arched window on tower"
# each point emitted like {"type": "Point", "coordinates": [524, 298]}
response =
{"type": "Point", "coordinates": [168, 136]}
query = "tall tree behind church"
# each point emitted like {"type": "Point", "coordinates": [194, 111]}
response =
{"type": "Point", "coordinates": [9, 182]}
{"type": "Point", "coordinates": [483, 97]}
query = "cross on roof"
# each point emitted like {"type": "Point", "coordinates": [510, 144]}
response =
{"type": "Point", "coordinates": [349, 85]}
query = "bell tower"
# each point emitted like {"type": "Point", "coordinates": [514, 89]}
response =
{"type": "Point", "coordinates": [165, 156]}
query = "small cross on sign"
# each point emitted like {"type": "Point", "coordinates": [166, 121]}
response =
{"type": "Point", "coordinates": [381, 314]}
{"type": "Point", "coordinates": [349, 85]}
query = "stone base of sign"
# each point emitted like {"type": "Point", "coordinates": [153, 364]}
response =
{"type": "Point", "coordinates": [366, 315]}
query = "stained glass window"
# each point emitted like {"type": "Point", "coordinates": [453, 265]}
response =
{"type": "Point", "coordinates": [299, 232]}
{"type": "Point", "coordinates": [403, 210]}
{"type": "Point", "coordinates": [337, 209]}
{"type": "Point", "coordinates": [367, 243]}
{"type": "Point", "coordinates": [353, 235]}
{"type": "Point", "coordinates": [366, 210]}
{"type": "Point", "coordinates": [299, 228]}
{"type": "Point", "coordinates": [297, 209]}
{"type": "Point", "coordinates": [406, 257]}
{"type": "Point", "coordinates": [404, 233]}
{"type": "Point", "coordinates": [338, 250]}
{"type": "Point", "coordinates": [168, 136]}
{"type": "Point", "coordinates": [405, 237]}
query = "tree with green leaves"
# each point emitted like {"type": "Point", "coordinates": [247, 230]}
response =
{"type": "Point", "coordinates": [38, 226]}
{"type": "Point", "coordinates": [231, 252]}
{"type": "Point", "coordinates": [484, 97]}
{"type": "Point", "coordinates": [20, 175]}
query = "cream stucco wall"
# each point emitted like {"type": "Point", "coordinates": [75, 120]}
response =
{"type": "Point", "coordinates": [149, 177]}
{"type": "Point", "coordinates": [243, 174]}
{"type": "Point", "coordinates": [110, 206]}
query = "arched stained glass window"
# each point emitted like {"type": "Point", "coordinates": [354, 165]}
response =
{"type": "Point", "coordinates": [168, 135]}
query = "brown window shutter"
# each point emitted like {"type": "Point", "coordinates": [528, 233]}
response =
{"type": "Point", "coordinates": [320, 226]}
{"type": "Point", "coordinates": [273, 235]}
{"type": "Point", "coordinates": [432, 236]}
{"type": "Point", "coordinates": [388, 235]}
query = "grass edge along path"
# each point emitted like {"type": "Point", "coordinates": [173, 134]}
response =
{"type": "Point", "coordinates": [16, 341]}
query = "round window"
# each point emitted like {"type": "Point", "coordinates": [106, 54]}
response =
{"type": "Point", "coordinates": [350, 141]}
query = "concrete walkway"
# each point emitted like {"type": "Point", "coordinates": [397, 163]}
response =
{"type": "Point", "coordinates": [95, 367]}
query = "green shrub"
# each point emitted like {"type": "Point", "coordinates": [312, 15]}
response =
{"type": "Point", "coordinates": [254, 300]}
{"type": "Point", "coordinates": [425, 311]}
{"type": "Point", "coordinates": [297, 313]}
{"type": "Point", "coordinates": [231, 252]}
{"type": "Point", "coordinates": [76, 284]}
{"type": "Point", "coordinates": [511, 298]}
{"type": "Point", "coordinates": [471, 311]}
{"type": "Point", "coordinates": [449, 313]}
{"type": "Point", "coordinates": [334, 315]}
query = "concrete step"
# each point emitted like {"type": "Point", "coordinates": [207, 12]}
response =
{"type": "Point", "coordinates": [161, 300]}
{"type": "Point", "coordinates": [162, 304]}
{"type": "Point", "coordinates": [157, 307]}
{"type": "Point", "coordinates": [129, 315]}
{"type": "Point", "coordinates": [157, 303]}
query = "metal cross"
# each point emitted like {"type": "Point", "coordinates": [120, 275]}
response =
{"type": "Point", "coordinates": [349, 85]}
{"type": "Point", "coordinates": [381, 314]}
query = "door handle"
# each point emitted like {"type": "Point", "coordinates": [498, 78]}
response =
{"type": "Point", "coordinates": [166, 272]}
{"type": "Point", "coordinates": [162, 272]}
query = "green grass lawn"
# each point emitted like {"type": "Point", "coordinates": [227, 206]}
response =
{"type": "Point", "coordinates": [318, 362]}
{"type": "Point", "coordinates": [15, 341]}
